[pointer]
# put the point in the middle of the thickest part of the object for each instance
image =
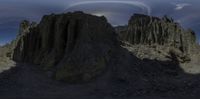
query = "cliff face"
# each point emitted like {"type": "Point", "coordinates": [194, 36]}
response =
{"type": "Point", "coordinates": [73, 46]}
{"type": "Point", "coordinates": [147, 30]}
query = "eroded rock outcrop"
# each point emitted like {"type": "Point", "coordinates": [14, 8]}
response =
{"type": "Point", "coordinates": [160, 34]}
{"type": "Point", "coordinates": [143, 29]}
{"type": "Point", "coordinates": [72, 46]}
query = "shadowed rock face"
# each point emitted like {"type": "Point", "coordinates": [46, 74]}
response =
{"type": "Point", "coordinates": [73, 46]}
{"type": "Point", "coordinates": [149, 30]}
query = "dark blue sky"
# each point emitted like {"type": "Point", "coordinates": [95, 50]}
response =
{"type": "Point", "coordinates": [118, 12]}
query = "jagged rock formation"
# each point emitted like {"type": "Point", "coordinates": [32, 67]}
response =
{"type": "Point", "coordinates": [156, 38]}
{"type": "Point", "coordinates": [147, 30]}
{"type": "Point", "coordinates": [73, 46]}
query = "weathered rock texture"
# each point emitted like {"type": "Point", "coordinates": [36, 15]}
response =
{"type": "Point", "coordinates": [156, 38]}
{"type": "Point", "coordinates": [73, 46]}
{"type": "Point", "coordinates": [147, 30]}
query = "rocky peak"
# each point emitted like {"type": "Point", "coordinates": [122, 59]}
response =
{"type": "Point", "coordinates": [72, 46]}
{"type": "Point", "coordinates": [25, 27]}
{"type": "Point", "coordinates": [147, 30]}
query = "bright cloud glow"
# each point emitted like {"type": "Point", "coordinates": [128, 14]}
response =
{"type": "Point", "coordinates": [181, 6]}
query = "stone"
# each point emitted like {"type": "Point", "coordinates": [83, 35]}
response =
{"type": "Point", "coordinates": [75, 46]}
{"type": "Point", "coordinates": [151, 37]}
{"type": "Point", "coordinates": [148, 30]}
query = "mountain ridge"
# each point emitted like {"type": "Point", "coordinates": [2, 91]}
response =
{"type": "Point", "coordinates": [162, 33]}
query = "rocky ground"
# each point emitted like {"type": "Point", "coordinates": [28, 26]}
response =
{"type": "Point", "coordinates": [162, 53]}
{"type": "Point", "coordinates": [5, 62]}
{"type": "Point", "coordinates": [27, 81]}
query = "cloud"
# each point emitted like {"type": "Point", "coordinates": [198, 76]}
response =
{"type": "Point", "coordinates": [180, 6]}
{"type": "Point", "coordinates": [133, 3]}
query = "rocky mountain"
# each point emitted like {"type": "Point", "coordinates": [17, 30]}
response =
{"type": "Point", "coordinates": [151, 56]}
{"type": "Point", "coordinates": [160, 34]}
{"type": "Point", "coordinates": [71, 46]}
{"type": "Point", "coordinates": [150, 30]}
{"type": "Point", "coordinates": [143, 29]}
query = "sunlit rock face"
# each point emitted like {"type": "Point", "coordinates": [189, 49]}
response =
{"type": "Point", "coordinates": [73, 46]}
{"type": "Point", "coordinates": [144, 29]}
{"type": "Point", "coordinates": [158, 38]}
